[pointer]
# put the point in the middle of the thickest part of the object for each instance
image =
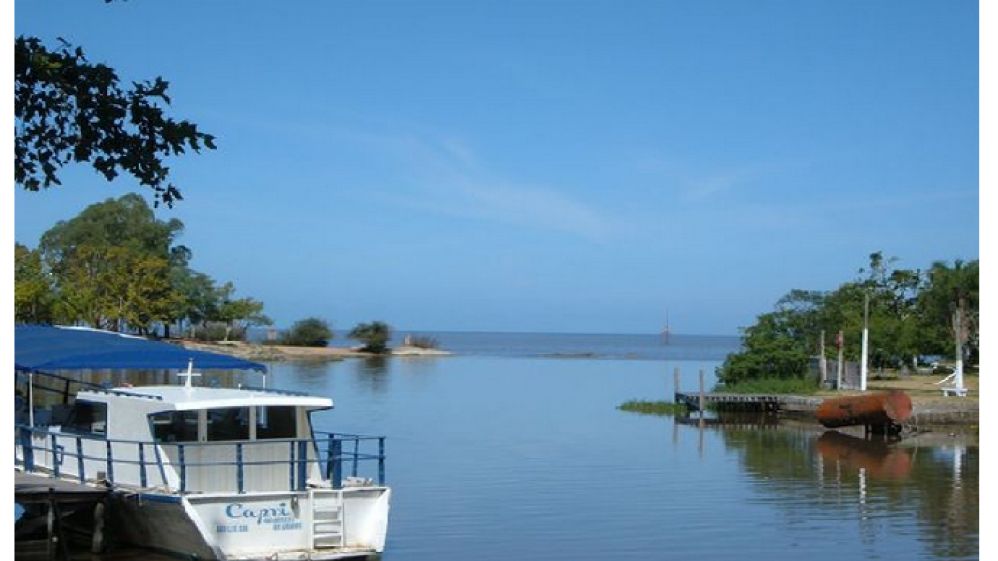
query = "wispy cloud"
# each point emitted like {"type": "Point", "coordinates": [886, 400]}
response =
{"type": "Point", "coordinates": [445, 175]}
{"type": "Point", "coordinates": [698, 185]}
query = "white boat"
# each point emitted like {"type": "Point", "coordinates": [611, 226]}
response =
{"type": "Point", "coordinates": [218, 473]}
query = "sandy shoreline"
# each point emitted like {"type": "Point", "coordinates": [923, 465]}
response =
{"type": "Point", "coordinates": [253, 351]}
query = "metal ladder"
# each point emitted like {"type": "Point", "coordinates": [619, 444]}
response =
{"type": "Point", "coordinates": [327, 519]}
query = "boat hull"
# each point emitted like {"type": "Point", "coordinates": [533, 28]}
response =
{"type": "Point", "coordinates": [254, 526]}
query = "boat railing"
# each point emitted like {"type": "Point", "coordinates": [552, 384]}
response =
{"type": "Point", "coordinates": [329, 459]}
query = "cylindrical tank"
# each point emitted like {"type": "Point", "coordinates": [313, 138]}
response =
{"type": "Point", "coordinates": [874, 409]}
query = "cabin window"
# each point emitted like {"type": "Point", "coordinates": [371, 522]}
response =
{"type": "Point", "coordinates": [230, 423]}
{"type": "Point", "coordinates": [87, 417]}
{"type": "Point", "coordinates": [175, 426]}
{"type": "Point", "coordinates": [275, 422]}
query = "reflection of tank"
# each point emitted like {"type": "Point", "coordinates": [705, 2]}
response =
{"type": "Point", "coordinates": [873, 410]}
{"type": "Point", "coordinates": [880, 460]}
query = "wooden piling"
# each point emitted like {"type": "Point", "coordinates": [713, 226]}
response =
{"type": "Point", "coordinates": [675, 384]}
{"type": "Point", "coordinates": [97, 540]}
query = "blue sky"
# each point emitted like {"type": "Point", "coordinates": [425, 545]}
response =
{"type": "Point", "coordinates": [547, 166]}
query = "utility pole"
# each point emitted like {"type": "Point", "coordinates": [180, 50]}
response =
{"type": "Point", "coordinates": [958, 367]}
{"type": "Point", "coordinates": [840, 341]}
{"type": "Point", "coordinates": [866, 342]}
{"type": "Point", "coordinates": [822, 361]}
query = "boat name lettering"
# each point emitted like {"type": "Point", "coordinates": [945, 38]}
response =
{"type": "Point", "coordinates": [280, 513]}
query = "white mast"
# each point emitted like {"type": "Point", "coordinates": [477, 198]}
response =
{"type": "Point", "coordinates": [189, 374]}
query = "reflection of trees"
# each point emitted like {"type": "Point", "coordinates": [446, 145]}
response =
{"type": "Point", "coordinates": [939, 485]}
{"type": "Point", "coordinates": [310, 376]}
{"type": "Point", "coordinates": [372, 373]}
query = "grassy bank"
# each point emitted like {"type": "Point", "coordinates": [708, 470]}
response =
{"type": "Point", "coordinates": [652, 407]}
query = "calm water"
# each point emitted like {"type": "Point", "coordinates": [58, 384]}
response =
{"type": "Point", "coordinates": [510, 455]}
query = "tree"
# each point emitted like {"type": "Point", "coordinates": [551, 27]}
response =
{"type": "Point", "coordinates": [772, 348]}
{"type": "Point", "coordinates": [33, 291]}
{"type": "Point", "coordinates": [239, 312]}
{"type": "Point", "coordinates": [198, 297]}
{"type": "Point", "coordinates": [950, 289]}
{"type": "Point", "coordinates": [68, 109]}
{"type": "Point", "coordinates": [116, 266]}
{"type": "Point", "coordinates": [79, 286]}
{"type": "Point", "coordinates": [374, 335]}
{"type": "Point", "coordinates": [127, 221]}
{"type": "Point", "coordinates": [910, 314]}
{"type": "Point", "coordinates": [309, 332]}
{"type": "Point", "coordinates": [149, 297]}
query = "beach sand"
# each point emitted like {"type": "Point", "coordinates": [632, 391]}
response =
{"type": "Point", "coordinates": [254, 351]}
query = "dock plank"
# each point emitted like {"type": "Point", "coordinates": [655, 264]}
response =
{"type": "Point", "coordinates": [35, 488]}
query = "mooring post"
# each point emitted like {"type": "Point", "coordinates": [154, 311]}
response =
{"type": "Point", "coordinates": [97, 541]}
{"type": "Point", "coordinates": [675, 385]}
{"type": "Point", "coordinates": [50, 525]}
{"type": "Point", "coordinates": [701, 392]}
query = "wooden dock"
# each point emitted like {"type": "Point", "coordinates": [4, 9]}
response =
{"type": "Point", "coordinates": [32, 488]}
{"type": "Point", "coordinates": [747, 402]}
{"type": "Point", "coordinates": [61, 500]}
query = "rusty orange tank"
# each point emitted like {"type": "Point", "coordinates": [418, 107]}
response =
{"type": "Point", "coordinates": [892, 407]}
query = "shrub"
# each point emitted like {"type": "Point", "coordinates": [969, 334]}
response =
{"type": "Point", "coordinates": [795, 386]}
{"type": "Point", "coordinates": [374, 335]}
{"type": "Point", "coordinates": [309, 332]}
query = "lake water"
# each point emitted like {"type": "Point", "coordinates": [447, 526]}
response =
{"type": "Point", "coordinates": [504, 453]}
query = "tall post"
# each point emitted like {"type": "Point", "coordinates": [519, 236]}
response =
{"type": "Point", "coordinates": [31, 399]}
{"type": "Point", "coordinates": [822, 361]}
{"type": "Point", "coordinates": [701, 392]}
{"type": "Point", "coordinates": [958, 366]}
{"type": "Point", "coordinates": [675, 384]}
{"type": "Point", "coordinates": [840, 341]}
{"type": "Point", "coordinates": [50, 525]}
{"type": "Point", "coordinates": [866, 342]}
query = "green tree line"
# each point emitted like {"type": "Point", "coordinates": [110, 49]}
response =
{"type": "Point", "coordinates": [911, 314]}
{"type": "Point", "coordinates": [116, 266]}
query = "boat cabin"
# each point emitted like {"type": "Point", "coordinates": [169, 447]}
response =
{"type": "Point", "coordinates": [192, 439]}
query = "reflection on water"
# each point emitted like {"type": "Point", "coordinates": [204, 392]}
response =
{"type": "Point", "coordinates": [874, 457]}
{"type": "Point", "coordinates": [372, 373]}
{"type": "Point", "coordinates": [528, 458]}
{"type": "Point", "coordinates": [825, 474]}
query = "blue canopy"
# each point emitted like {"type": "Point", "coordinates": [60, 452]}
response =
{"type": "Point", "coordinates": [41, 348]}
